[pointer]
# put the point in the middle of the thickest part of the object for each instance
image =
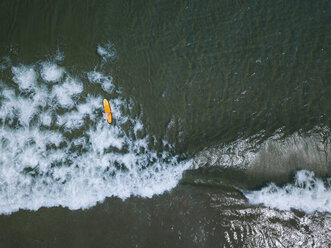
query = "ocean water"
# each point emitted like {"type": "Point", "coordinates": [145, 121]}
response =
{"type": "Point", "coordinates": [221, 124]}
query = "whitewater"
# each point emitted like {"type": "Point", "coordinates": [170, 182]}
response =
{"type": "Point", "coordinates": [56, 149]}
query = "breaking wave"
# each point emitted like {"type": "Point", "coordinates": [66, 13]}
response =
{"type": "Point", "coordinates": [254, 163]}
{"type": "Point", "coordinates": [57, 150]}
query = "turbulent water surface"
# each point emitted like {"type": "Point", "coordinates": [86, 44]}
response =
{"type": "Point", "coordinates": [221, 124]}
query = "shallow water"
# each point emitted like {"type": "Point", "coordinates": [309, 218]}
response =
{"type": "Point", "coordinates": [221, 124]}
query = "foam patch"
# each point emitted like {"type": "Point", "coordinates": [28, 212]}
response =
{"type": "Point", "coordinates": [51, 72]}
{"type": "Point", "coordinates": [24, 76]}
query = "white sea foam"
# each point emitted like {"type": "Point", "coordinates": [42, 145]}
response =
{"type": "Point", "coordinates": [24, 76]}
{"type": "Point", "coordinates": [7, 105]}
{"type": "Point", "coordinates": [46, 118]}
{"type": "Point", "coordinates": [104, 81]}
{"type": "Point", "coordinates": [71, 156]}
{"type": "Point", "coordinates": [51, 72]}
{"type": "Point", "coordinates": [307, 193]}
{"type": "Point", "coordinates": [65, 92]}
{"type": "Point", "coordinates": [23, 107]}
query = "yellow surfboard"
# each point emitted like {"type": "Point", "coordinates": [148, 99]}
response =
{"type": "Point", "coordinates": [106, 108]}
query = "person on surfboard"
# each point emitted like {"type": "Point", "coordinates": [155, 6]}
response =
{"type": "Point", "coordinates": [106, 108]}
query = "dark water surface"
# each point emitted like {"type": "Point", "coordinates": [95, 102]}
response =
{"type": "Point", "coordinates": [221, 133]}
{"type": "Point", "coordinates": [186, 217]}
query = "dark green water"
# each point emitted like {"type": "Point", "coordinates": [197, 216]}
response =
{"type": "Point", "coordinates": [240, 88]}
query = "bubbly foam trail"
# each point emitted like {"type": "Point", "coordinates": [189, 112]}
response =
{"type": "Point", "coordinates": [307, 193]}
{"type": "Point", "coordinates": [57, 150]}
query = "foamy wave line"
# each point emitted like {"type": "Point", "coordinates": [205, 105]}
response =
{"type": "Point", "coordinates": [307, 193]}
{"type": "Point", "coordinates": [56, 150]}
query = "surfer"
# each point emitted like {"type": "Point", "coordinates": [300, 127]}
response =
{"type": "Point", "coordinates": [106, 108]}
